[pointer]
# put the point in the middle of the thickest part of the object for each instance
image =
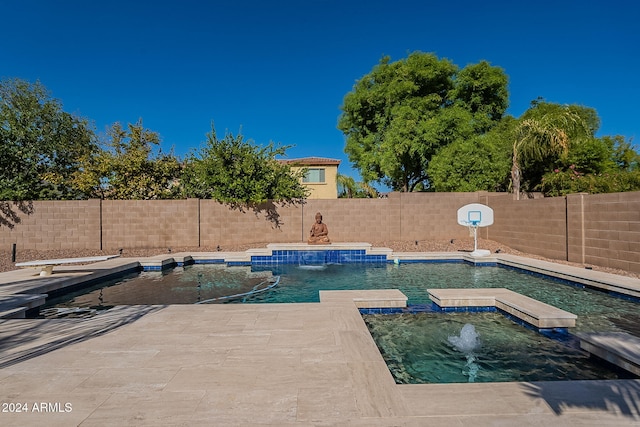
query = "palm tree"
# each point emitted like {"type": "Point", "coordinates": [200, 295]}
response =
{"type": "Point", "coordinates": [366, 189]}
{"type": "Point", "coordinates": [537, 139]}
{"type": "Point", "coordinates": [349, 188]}
{"type": "Point", "coordinates": [346, 186]}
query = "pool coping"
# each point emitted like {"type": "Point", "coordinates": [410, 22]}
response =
{"type": "Point", "coordinates": [529, 310]}
{"type": "Point", "coordinates": [619, 348]}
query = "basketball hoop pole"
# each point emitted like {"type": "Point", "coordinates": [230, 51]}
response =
{"type": "Point", "coordinates": [475, 215]}
{"type": "Point", "coordinates": [474, 225]}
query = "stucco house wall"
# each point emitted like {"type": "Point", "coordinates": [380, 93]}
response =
{"type": "Point", "coordinates": [328, 188]}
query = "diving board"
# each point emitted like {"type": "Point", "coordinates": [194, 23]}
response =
{"type": "Point", "coordinates": [46, 265]}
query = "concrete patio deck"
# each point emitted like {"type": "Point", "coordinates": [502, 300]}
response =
{"type": "Point", "coordinates": [257, 365]}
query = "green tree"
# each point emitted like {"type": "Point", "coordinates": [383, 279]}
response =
{"type": "Point", "coordinates": [562, 182]}
{"type": "Point", "coordinates": [130, 166]}
{"type": "Point", "coordinates": [598, 165]}
{"type": "Point", "coordinates": [399, 115]}
{"type": "Point", "coordinates": [238, 173]}
{"type": "Point", "coordinates": [624, 156]}
{"type": "Point", "coordinates": [482, 90]}
{"type": "Point", "coordinates": [41, 146]}
{"type": "Point", "coordinates": [475, 164]}
{"type": "Point", "coordinates": [544, 134]}
{"type": "Point", "coordinates": [349, 188]}
{"type": "Point", "coordinates": [591, 155]}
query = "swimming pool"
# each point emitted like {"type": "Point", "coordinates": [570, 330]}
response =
{"type": "Point", "coordinates": [416, 346]}
{"type": "Point", "coordinates": [596, 311]}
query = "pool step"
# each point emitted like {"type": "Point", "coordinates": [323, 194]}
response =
{"type": "Point", "coordinates": [370, 298]}
{"type": "Point", "coordinates": [158, 263]}
{"type": "Point", "coordinates": [618, 348]}
{"type": "Point", "coordinates": [531, 311]}
{"type": "Point", "coordinates": [14, 313]}
{"type": "Point", "coordinates": [15, 306]}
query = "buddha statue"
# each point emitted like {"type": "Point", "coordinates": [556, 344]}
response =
{"type": "Point", "coordinates": [319, 234]}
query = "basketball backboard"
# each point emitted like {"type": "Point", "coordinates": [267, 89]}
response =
{"type": "Point", "coordinates": [475, 214]}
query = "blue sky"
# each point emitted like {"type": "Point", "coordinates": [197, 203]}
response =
{"type": "Point", "coordinates": [279, 70]}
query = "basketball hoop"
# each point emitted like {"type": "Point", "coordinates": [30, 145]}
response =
{"type": "Point", "coordinates": [475, 215]}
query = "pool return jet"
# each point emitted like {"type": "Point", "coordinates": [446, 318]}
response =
{"type": "Point", "coordinates": [476, 215]}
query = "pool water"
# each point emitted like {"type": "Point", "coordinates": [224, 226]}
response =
{"type": "Point", "coordinates": [596, 311]}
{"type": "Point", "coordinates": [416, 347]}
{"type": "Point", "coordinates": [188, 285]}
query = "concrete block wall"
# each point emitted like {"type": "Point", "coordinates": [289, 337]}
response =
{"type": "Point", "coordinates": [433, 215]}
{"type": "Point", "coordinates": [221, 225]}
{"type": "Point", "coordinates": [575, 228]}
{"type": "Point", "coordinates": [352, 220]}
{"type": "Point", "coordinates": [149, 223]}
{"type": "Point", "coordinates": [56, 225]}
{"type": "Point", "coordinates": [612, 230]}
{"type": "Point", "coordinates": [401, 216]}
{"type": "Point", "coordinates": [536, 226]}
{"type": "Point", "coordinates": [601, 229]}
{"type": "Point", "coordinates": [597, 229]}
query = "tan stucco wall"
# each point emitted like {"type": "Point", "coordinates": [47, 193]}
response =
{"type": "Point", "coordinates": [326, 190]}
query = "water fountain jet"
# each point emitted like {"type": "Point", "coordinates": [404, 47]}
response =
{"type": "Point", "coordinates": [467, 342]}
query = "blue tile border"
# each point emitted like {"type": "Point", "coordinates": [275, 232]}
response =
{"type": "Point", "coordinates": [482, 264]}
{"type": "Point", "coordinates": [544, 331]}
{"type": "Point", "coordinates": [427, 261]}
{"type": "Point", "coordinates": [443, 261]}
{"type": "Point", "coordinates": [558, 334]}
{"type": "Point", "coordinates": [238, 263]}
{"type": "Point", "coordinates": [478, 309]}
{"type": "Point", "coordinates": [571, 283]}
{"type": "Point", "coordinates": [317, 257]}
{"type": "Point", "coordinates": [159, 267]}
{"type": "Point", "coordinates": [396, 310]}
{"type": "Point", "coordinates": [208, 261]}
{"type": "Point", "coordinates": [485, 309]}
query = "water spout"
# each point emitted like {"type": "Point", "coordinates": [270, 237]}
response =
{"type": "Point", "coordinates": [466, 343]}
{"type": "Point", "coordinates": [312, 260]}
{"type": "Point", "coordinates": [312, 267]}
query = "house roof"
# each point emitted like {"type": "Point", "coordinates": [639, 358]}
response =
{"type": "Point", "coordinates": [310, 161]}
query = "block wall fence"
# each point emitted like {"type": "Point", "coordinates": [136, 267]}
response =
{"type": "Point", "coordinates": [600, 229]}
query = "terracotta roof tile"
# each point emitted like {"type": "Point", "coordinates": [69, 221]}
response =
{"type": "Point", "coordinates": [310, 161]}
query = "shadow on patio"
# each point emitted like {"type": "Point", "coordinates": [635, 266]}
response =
{"type": "Point", "coordinates": [22, 339]}
{"type": "Point", "coordinates": [613, 396]}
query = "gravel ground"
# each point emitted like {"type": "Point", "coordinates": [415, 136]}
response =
{"type": "Point", "coordinates": [413, 246]}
